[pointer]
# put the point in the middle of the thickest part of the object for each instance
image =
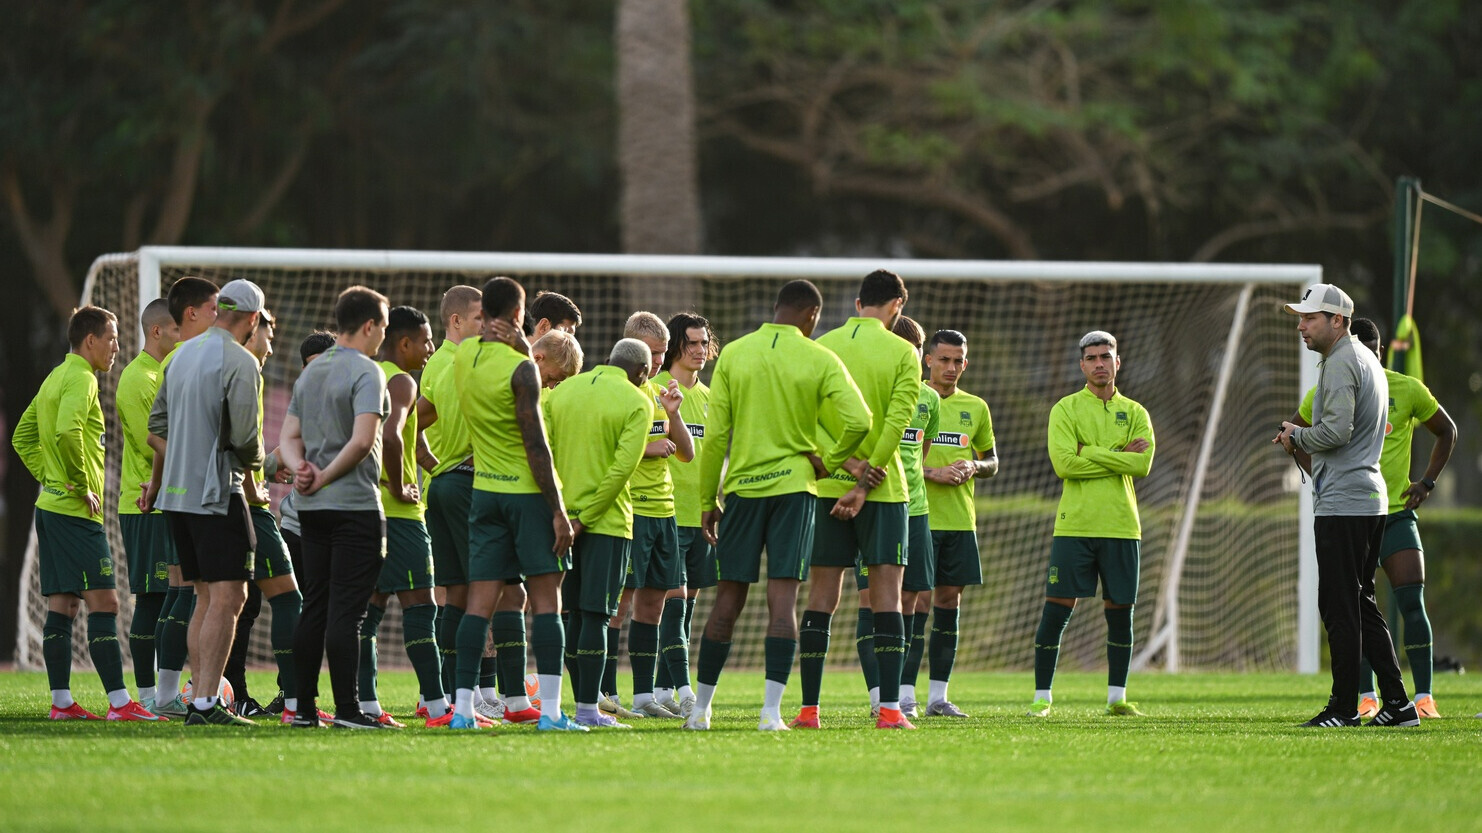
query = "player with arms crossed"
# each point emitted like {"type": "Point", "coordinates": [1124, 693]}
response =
{"type": "Point", "coordinates": [766, 394]}
{"type": "Point", "coordinates": [1099, 442]}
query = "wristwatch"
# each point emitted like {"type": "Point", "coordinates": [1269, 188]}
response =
{"type": "Point", "coordinates": [1429, 484]}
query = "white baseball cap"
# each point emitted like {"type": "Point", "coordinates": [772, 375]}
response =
{"type": "Point", "coordinates": [240, 295]}
{"type": "Point", "coordinates": [1323, 297]}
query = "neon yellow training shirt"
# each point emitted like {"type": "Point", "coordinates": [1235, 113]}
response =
{"type": "Point", "coordinates": [653, 485]}
{"type": "Point", "coordinates": [395, 508]}
{"type": "Point", "coordinates": [137, 385]}
{"type": "Point", "coordinates": [60, 439]}
{"type": "Point", "coordinates": [1098, 499]}
{"type": "Point", "coordinates": [925, 423]}
{"type": "Point", "coordinates": [888, 374]}
{"type": "Point", "coordinates": [599, 426]}
{"type": "Point", "coordinates": [964, 428]}
{"type": "Point", "coordinates": [765, 396]}
{"type": "Point", "coordinates": [482, 371]}
{"type": "Point", "coordinates": [686, 476]}
{"type": "Point", "coordinates": [1410, 402]}
{"type": "Point", "coordinates": [448, 437]}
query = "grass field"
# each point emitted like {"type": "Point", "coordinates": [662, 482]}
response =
{"type": "Point", "coordinates": [1217, 752]}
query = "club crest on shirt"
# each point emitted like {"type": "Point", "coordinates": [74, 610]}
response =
{"type": "Point", "coordinates": [1121, 417]}
{"type": "Point", "coordinates": [965, 419]}
{"type": "Point", "coordinates": [923, 411]}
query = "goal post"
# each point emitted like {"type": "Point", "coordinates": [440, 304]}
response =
{"type": "Point", "coordinates": [1228, 578]}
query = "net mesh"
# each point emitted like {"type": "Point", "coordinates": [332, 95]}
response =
{"type": "Point", "coordinates": [1238, 596]}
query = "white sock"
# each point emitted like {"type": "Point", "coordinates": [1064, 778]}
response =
{"type": "Point", "coordinates": [1372, 695]}
{"type": "Point", "coordinates": [204, 704]}
{"type": "Point", "coordinates": [772, 700]}
{"type": "Point", "coordinates": [120, 698]}
{"type": "Point", "coordinates": [908, 694]}
{"type": "Point", "coordinates": [490, 694]}
{"type": "Point", "coordinates": [371, 707]}
{"type": "Point", "coordinates": [639, 700]}
{"type": "Point", "coordinates": [875, 696]}
{"type": "Point", "coordinates": [438, 707]}
{"type": "Point", "coordinates": [146, 693]}
{"type": "Point", "coordinates": [169, 685]}
{"type": "Point", "coordinates": [1115, 694]}
{"type": "Point", "coordinates": [685, 691]}
{"type": "Point", "coordinates": [517, 704]}
{"type": "Point", "coordinates": [1044, 694]}
{"type": "Point", "coordinates": [704, 694]}
{"type": "Point", "coordinates": [890, 704]}
{"type": "Point", "coordinates": [550, 695]}
{"type": "Point", "coordinates": [62, 698]}
{"type": "Point", "coordinates": [663, 695]}
{"type": "Point", "coordinates": [464, 702]}
{"type": "Point", "coordinates": [937, 691]}
{"type": "Point", "coordinates": [290, 704]}
{"type": "Point", "coordinates": [1421, 695]}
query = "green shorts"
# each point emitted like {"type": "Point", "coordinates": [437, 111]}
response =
{"type": "Point", "coordinates": [595, 582]}
{"type": "Point", "coordinates": [698, 558]}
{"type": "Point", "coordinates": [150, 550]}
{"type": "Point", "coordinates": [1077, 563]}
{"type": "Point", "coordinates": [877, 535]}
{"type": "Point", "coordinates": [958, 563]}
{"type": "Point", "coordinates": [510, 536]}
{"type": "Point", "coordinates": [272, 554]}
{"type": "Point", "coordinates": [780, 524]}
{"type": "Point", "coordinates": [921, 568]}
{"type": "Point", "coordinates": [448, 497]}
{"type": "Point", "coordinates": [654, 560]}
{"type": "Point", "coordinates": [408, 557]}
{"type": "Point", "coordinates": [73, 553]}
{"type": "Point", "coordinates": [1401, 532]}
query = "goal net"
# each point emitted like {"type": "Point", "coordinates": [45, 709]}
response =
{"type": "Point", "coordinates": [1205, 348]}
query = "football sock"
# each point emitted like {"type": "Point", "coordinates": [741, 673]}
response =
{"type": "Point", "coordinates": [674, 647]}
{"type": "Point", "coordinates": [643, 654]}
{"type": "Point", "coordinates": [235, 671]}
{"type": "Point", "coordinates": [147, 608]}
{"type": "Point", "coordinates": [204, 704]}
{"type": "Point", "coordinates": [488, 669]}
{"type": "Point", "coordinates": [689, 618]}
{"type": "Point", "coordinates": [812, 645]}
{"type": "Point", "coordinates": [779, 654]}
{"type": "Point", "coordinates": [447, 642]}
{"type": "Point", "coordinates": [171, 648]}
{"type": "Point", "coordinates": [864, 645]}
{"type": "Point", "coordinates": [942, 652]}
{"type": "Point", "coordinates": [103, 647]}
{"type": "Point", "coordinates": [609, 668]}
{"type": "Point", "coordinates": [463, 702]}
{"type": "Point", "coordinates": [1118, 645]}
{"type": "Point", "coordinates": [171, 594]}
{"type": "Point", "coordinates": [510, 651]}
{"type": "Point", "coordinates": [548, 640]}
{"type": "Point", "coordinates": [62, 698]}
{"type": "Point", "coordinates": [1044, 694]}
{"type": "Point", "coordinates": [573, 630]}
{"type": "Point", "coordinates": [417, 624]}
{"type": "Point", "coordinates": [1417, 637]}
{"type": "Point", "coordinates": [1115, 694]}
{"type": "Point", "coordinates": [472, 631]}
{"type": "Point", "coordinates": [286, 609]}
{"type": "Point", "coordinates": [1052, 621]}
{"type": "Point", "coordinates": [915, 650]}
{"type": "Point", "coordinates": [591, 656]}
{"type": "Point", "coordinates": [56, 653]}
{"type": "Point", "coordinates": [371, 707]}
{"type": "Point", "coordinates": [550, 695]}
{"type": "Point", "coordinates": [368, 656]}
{"type": "Point", "coordinates": [712, 659]}
{"type": "Point", "coordinates": [772, 698]}
{"type": "Point", "coordinates": [890, 654]}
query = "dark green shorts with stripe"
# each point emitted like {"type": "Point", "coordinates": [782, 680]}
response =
{"type": "Point", "coordinates": [150, 550]}
{"type": "Point", "coordinates": [698, 558]}
{"type": "Point", "coordinates": [271, 557]}
{"type": "Point", "coordinates": [1401, 532]}
{"type": "Point", "coordinates": [958, 561]}
{"type": "Point", "coordinates": [448, 497]}
{"type": "Point", "coordinates": [921, 568]}
{"type": "Point", "coordinates": [877, 535]}
{"type": "Point", "coordinates": [408, 563]}
{"type": "Point", "coordinates": [510, 536]}
{"type": "Point", "coordinates": [780, 524]}
{"type": "Point", "coordinates": [654, 560]}
{"type": "Point", "coordinates": [1077, 563]}
{"type": "Point", "coordinates": [73, 553]}
{"type": "Point", "coordinates": [595, 582]}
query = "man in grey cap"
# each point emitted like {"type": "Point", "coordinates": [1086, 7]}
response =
{"type": "Point", "coordinates": [1349, 503]}
{"type": "Point", "coordinates": [206, 412]}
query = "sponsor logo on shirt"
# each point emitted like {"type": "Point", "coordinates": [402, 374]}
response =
{"type": "Point", "coordinates": [494, 475]}
{"type": "Point", "coordinates": [948, 438]}
{"type": "Point", "coordinates": [52, 490]}
{"type": "Point", "coordinates": [913, 436]}
{"type": "Point", "coordinates": [763, 478]}
{"type": "Point", "coordinates": [659, 427]}
{"type": "Point", "coordinates": [696, 430]}
{"type": "Point", "coordinates": [1388, 427]}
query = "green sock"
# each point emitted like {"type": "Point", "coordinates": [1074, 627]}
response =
{"type": "Point", "coordinates": [102, 646]}
{"type": "Point", "coordinates": [451, 616]}
{"type": "Point", "coordinates": [712, 659]}
{"type": "Point", "coordinates": [689, 618]}
{"type": "Point", "coordinates": [488, 669]}
{"type": "Point", "coordinates": [643, 655]}
{"type": "Point", "coordinates": [609, 669]}
{"type": "Point", "coordinates": [418, 625]}
{"type": "Point", "coordinates": [864, 645]}
{"type": "Point", "coordinates": [286, 608]}
{"type": "Point", "coordinates": [1052, 621]}
{"type": "Point", "coordinates": [472, 634]}
{"type": "Point", "coordinates": [812, 645]}
{"type": "Point", "coordinates": [591, 655]}
{"type": "Point", "coordinates": [915, 649]}
{"type": "Point", "coordinates": [548, 640]}
{"type": "Point", "coordinates": [779, 654]}
{"type": "Point", "coordinates": [1118, 645]}
{"type": "Point", "coordinates": [368, 654]}
{"type": "Point", "coordinates": [142, 628]}
{"type": "Point", "coordinates": [572, 623]}
{"type": "Point", "coordinates": [56, 650]}
{"type": "Point", "coordinates": [172, 648]}
{"type": "Point", "coordinates": [942, 652]}
{"type": "Point", "coordinates": [1417, 638]}
{"type": "Point", "coordinates": [510, 651]}
{"type": "Point", "coordinates": [674, 647]}
{"type": "Point", "coordinates": [171, 595]}
{"type": "Point", "coordinates": [890, 654]}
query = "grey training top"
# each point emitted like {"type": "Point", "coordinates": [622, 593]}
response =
{"type": "Point", "coordinates": [288, 515]}
{"type": "Point", "coordinates": [333, 390]}
{"type": "Point", "coordinates": [1347, 434]}
{"type": "Point", "coordinates": [207, 412]}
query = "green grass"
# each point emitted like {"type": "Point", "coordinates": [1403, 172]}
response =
{"type": "Point", "coordinates": [1217, 752]}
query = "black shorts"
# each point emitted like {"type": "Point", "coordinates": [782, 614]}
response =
{"type": "Point", "coordinates": [216, 547]}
